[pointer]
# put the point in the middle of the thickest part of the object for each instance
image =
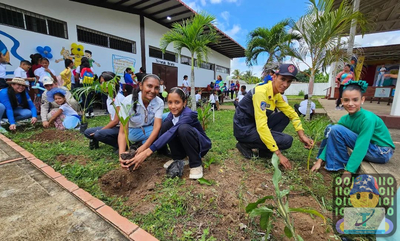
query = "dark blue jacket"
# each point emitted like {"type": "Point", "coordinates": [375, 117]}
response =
{"type": "Point", "coordinates": [187, 117]}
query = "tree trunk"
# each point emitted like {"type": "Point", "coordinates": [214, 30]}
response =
{"type": "Point", "coordinates": [192, 86]}
{"type": "Point", "coordinates": [310, 93]}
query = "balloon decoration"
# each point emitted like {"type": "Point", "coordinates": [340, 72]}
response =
{"type": "Point", "coordinates": [164, 94]}
{"type": "Point", "coordinates": [37, 86]}
{"type": "Point", "coordinates": [77, 49]}
{"type": "Point", "coordinates": [45, 51]}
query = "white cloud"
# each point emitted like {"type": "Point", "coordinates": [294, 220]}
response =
{"type": "Point", "coordinates": [203, 2]}
{"type": "Point", "coordinates": [220, 1]}
{"type": "Point", "coordinates": [194, 6]}
{"type": "Point", "coordinates": [240, 64]}
{"type": "Point", "coordinates": [225, 15]}
{"type": "Point", "coordinates": [233, 31]}
{"type": "Point", "coordinates": [215, 1]}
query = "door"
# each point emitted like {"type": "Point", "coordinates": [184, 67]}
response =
{"type": "Point", "coordinates": [167, 73]}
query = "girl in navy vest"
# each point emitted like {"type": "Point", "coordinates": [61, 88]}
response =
{"type": "Point", "coordinates": [183, 133]}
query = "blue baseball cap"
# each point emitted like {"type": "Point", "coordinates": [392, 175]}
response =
{"type": "Point", "coordinates": [287, 70]}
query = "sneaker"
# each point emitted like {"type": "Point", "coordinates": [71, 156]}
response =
{"type": "Point", "coordinates": [87, 115]}
{"type": "Point", "coordinates": [93, 144]}
{"type": "Point", "coordinates": [92, 114]}
{"type": "Point", "coordinates": [196, 172]}
{"type": "Point", "coordinates": [341, 108]}
{"type": "Point", "coordinates": [168, 163]}
{"type": "Point", "coordinates": [246, 152]}
{"type": "Point", "coordinates": [337, 108]}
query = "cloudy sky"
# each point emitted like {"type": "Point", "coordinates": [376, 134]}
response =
{"type": "Point", "coordinates": [238, 17]}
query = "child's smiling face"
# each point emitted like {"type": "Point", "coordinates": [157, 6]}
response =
{"type": "Point", "coordinates": [59, 99]}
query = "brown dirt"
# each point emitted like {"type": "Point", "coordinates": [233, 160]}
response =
{"type": "Point", "coordinates": [53, 135]}
{"type": "Point", "coordinates": [238, 182]}
{"type": "Point", "coordinates": [70, 159]}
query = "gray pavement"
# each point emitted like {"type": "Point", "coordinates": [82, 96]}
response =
{"type": "Point", "coordinates": [33, 207]}
{"type": "Point", "coordinates": [393, 166]}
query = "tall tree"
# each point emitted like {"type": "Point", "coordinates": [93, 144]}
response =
{"type": "Point", "coordinates": [269, 41]}
{"type": "Point", "coordinates": [194, 34]}
{"type": "Point", "coordinates": [236, 74]}
{"type": "Point", "coordinates": [322, 30]}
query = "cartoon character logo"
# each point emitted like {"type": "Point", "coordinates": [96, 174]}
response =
{"type": "Point", "coordinates": [65, 55]}
{"type": "Point", "coordinates": [88, 54]}
{"type": "Point", "coordinates": [291, 68]}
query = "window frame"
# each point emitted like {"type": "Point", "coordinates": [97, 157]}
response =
{"type": "Point", "coordinates": [163, 54]}
{"type": "Point", "coordinates": [33, 15]}
{"type": "Point", "coordinates": [106, 35]}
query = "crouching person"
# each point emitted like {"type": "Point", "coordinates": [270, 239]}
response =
{"type": "Point", "coordinates": [183, 133]}
{"type": "Point", "coordinates": [108, 134]}
{"type": "Point", "coordinates": [256, 126]}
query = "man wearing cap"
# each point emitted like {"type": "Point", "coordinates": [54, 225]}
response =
{"type": "Point", "coordinates": [48, 108]}
{"type": "Point", "coordinates": [15, 103]}
{"type": "Point", "coordinates": [256, 126]}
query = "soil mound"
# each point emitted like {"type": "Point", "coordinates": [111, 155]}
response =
{"type": "Point", "coordinates": [53, 135]}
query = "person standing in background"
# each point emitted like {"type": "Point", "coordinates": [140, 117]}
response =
{"type": "Point", "coordinates": [140, 75]}
{"type": "Point", "coordinates": [185, 85]}
{"type": "Point", "coordinates": [21, 72]}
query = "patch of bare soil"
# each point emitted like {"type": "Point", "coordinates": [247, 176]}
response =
{"type": "Point", "coordinates": [221, 207]}
{"type": "Point", "coordinates": [70, 159]}
{"type": "Point", "coordinates": [54, 135]}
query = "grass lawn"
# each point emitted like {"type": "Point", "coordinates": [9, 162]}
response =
{"type": "Point", "coordinates": [183, 209]}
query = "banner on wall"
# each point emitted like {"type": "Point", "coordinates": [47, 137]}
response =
{"type": "Point", "coordinates": [120, 63]}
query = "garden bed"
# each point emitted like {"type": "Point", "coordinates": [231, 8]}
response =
{"type": "Point", "coordinates": [183, 209]}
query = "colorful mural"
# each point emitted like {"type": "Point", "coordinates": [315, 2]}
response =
{"type": "Point", "coordinates": [5, 52]}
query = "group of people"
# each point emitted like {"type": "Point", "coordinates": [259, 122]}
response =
{"type": "Point", "coordinates": [178, 134]}
{"type": "Point", "coordinates": [257, 125]}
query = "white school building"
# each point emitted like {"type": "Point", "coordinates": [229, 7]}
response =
{"type": "Point", "coordinates": [118, 34]}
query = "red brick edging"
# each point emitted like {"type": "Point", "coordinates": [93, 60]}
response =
{"type": "Point", "coordinates": [129, 229]}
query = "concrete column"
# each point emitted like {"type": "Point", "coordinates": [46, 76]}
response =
{"type": "Point", "coordinates": [356, 7]}
{"type": "Point", "coordinates": [332, 78]}
{"type": "Point", "coordinates": [396, 100]}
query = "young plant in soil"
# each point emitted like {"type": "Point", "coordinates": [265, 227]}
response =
{"type": "Point", "coordinates": [315, 128]}
{"type": "Point", "coordinates": [109, 89]}
{"type": "Point", "coordinates": [204, 115]}
{"type": "Point", "coordinates": [83, 93]}
{"type": "Point", "coordinates": [281, 207]}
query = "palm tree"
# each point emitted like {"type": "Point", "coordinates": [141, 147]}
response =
{"type": "Point", "coordinates": [194, 34]}
{"type": "Point", "coordinates": [270, 41]}
{"type": "Point", "coordinates": [322, 30]}
{"type": "Point", "coordinates": [236, 74]}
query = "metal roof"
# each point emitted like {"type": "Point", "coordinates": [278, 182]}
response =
{"type": "Point", "coordinates": [384, 15]}
{"type": "Point", "coordinates": [159, 10]}
{"type": "Point", "coordinates": [380, 53]}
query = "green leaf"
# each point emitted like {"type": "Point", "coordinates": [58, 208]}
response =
{"type": "Point", "coordinates": [310, 211]}
{"type": "Point", "coordinates": [252, 206]}
{"type": "Point", "coordinates": [276, 178]}
{"type": "Point", "coordinates": [259, 211]}
{"type": "Point", "coordinates": [299, 238]}
{"type": "Point", "coordinates": [288, 233]}
{"type": "Point", "coordinates": [203, 181]}
{"type": "Point", "coordinates": [264, 220]}
{"type": "Point", "coordinates": [284, 193]}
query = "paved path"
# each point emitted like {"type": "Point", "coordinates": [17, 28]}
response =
{"type": "Point", "coordinates": [393, 166]}
{"type": "Point", "coordinates": [38, 203]}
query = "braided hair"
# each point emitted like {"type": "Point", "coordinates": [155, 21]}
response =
{"type": "Point", "coordinates": [359, 85]}
{"type": "Point", "coordinates": [135, 91]}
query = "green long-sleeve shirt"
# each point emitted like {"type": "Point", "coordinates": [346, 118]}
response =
{"type": "Point", "coordinates": [370, 129]}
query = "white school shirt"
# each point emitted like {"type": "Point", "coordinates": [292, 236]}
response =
{"type": "Point", "coordinates": [198, 97]}
{"type": "Point", "coordinates": [213, 98]}
{"type": "Point", "coordinates": [185, 83]}
{"type": "Point", "coordinates": [154, 110]}
{"type": "Point", "coordinates": [117, 101]}
{"type": "Point", "coordinates": [303, 107]}
{"type": "Point", "coordinates": [42, 73]}
{"type": "Point", "coordinates": [2, 71]}
{"type": "Point", "coordinates": [162, 88]}
{"type": "Point", "coordinates": [382, 70]}
{"type": "Point", "coordinates": [21, 73]}
{"type": "Point", "coordinates": [67, 110]}
{"type": "Point", "coordinates": [175, 120]}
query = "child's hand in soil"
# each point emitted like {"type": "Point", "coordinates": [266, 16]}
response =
{"type": "Point", "coordinates": [120, 158]}
{"type": "Point", "coordinates": [141, 149]}
{"type": "Point", "coordinates": [137, 160]}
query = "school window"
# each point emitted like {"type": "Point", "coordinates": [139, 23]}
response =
{"type": "Point", "coordinates": [20, 18]}
{"type": "Point", "coordinates": [221, 69]}
{"type": "Point", "coordinates": [157, 53]}
{"type": "Point", "coordinates": [185, 60]}
{"type": "Point", "coordinates": [91, 36]}
{"type": "Point", "coordinates": [206, 65]}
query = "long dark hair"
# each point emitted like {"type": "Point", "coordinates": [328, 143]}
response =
{"type": "Point", "coordinates": [126, 70]}
{"type": "Point", "coordinates": [34, 61]}
{"type": "Point", "coordinates": [84, 63]}
{"type": "Point", "coordinates": [12, 96]}
{"type": "Point", "coordinates": [67, 62]}
{"type": "Point", "coordinates": [135, 91]}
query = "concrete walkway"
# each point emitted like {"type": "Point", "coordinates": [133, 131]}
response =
{"type": "Point", "coordinates": [393, 166]}
{"type": "Point", "coordinates": [38, 203]}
